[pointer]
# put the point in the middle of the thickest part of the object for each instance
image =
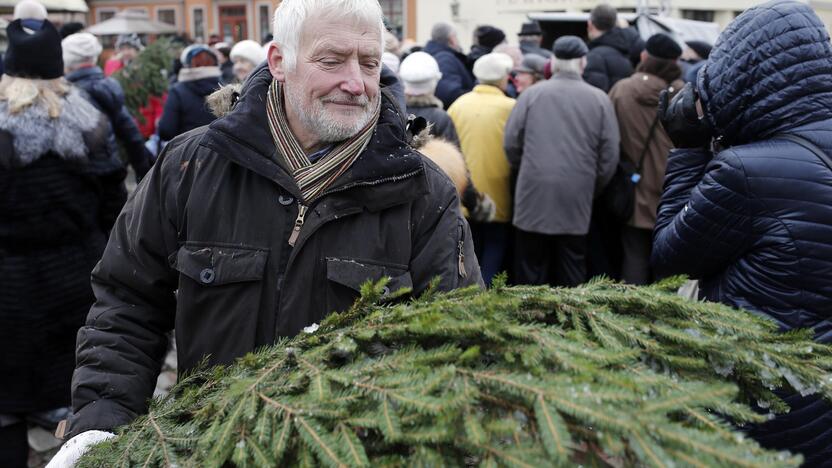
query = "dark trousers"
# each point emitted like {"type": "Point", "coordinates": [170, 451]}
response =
{"type": "Point", "coordinates": [637, 244]}
{"type": "Point", "coordinates": [604, 240]}
{"type": "Point", "coordinates": [544, 259]}
{"type": "Point", "coordinates": [490, 241]}
{"type": "Point", "coordinates": [14, 445]}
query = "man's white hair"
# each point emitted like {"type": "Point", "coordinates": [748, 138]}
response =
{"type": "Point", "coordinates": [291, 15]}
{"type": "Point", "coordinates": [568, 65]}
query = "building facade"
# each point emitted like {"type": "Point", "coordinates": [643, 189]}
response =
{"type": "Point", "coordinates": [234, 20]}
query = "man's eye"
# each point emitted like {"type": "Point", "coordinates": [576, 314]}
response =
{"type": "Point", "coordinates": [371, 65]}
{"type": "Point", "coordinates": [330, 63]}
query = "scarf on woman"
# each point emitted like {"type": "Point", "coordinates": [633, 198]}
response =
{"type": "Point", "coordinates": [313, 178]}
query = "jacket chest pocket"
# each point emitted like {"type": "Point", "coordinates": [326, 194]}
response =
{"type": "Point", "coordinates": [218, 301]}
{"type": "Point", "coordinates": [345, 277]}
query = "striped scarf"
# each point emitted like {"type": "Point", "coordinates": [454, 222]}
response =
{"type": "Point", "coordinates": [313, 178]}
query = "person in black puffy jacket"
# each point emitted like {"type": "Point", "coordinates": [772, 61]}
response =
{"type": "Point", "coordinates": [457, 79]}
{"type": "Point", "coordinates": [185, 108]}
{"type": "Point", "coordinates": [609, 49]}
{"type": "Point", "coordinates": [80, 54]}
{"type": "Point", "coordinates": [753, 221]}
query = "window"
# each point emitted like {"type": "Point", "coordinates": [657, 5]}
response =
{"type": "Point", "coordinates": [166, 15]}
{"type": "Point", "coordinates": [698, 15]}
{"type": "Point", "coordinates": [199, 24]}
{"type": "Point", "coordinates": [264, 20]}
{"type": "Point", "coordinates": [104, 15]}
{"type": "Point", "coordinates": [393, 15]}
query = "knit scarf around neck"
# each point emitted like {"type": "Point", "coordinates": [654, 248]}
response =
{"type": "Point", "coordinates": [313, 178]}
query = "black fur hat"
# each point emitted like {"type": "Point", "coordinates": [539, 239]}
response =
{"type": "Point", "coordinates": [33, 55]}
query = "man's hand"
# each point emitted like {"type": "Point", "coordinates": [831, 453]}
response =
{"type": "Point", "coordinates": [681, 120]}
{"type": "Point", "coordinates": [76, 447]}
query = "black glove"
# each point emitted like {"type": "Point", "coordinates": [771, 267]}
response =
{"type": "Point", "coordinates": [681, 121]}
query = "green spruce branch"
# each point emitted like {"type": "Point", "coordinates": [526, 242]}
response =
{"type": "Point", "coordinates": [604, 374]}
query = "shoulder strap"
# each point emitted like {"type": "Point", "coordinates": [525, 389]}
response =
{"type": "Point", "coordinates": [647, 142]}
{"type": "Point", "coordinates": [808, 145]}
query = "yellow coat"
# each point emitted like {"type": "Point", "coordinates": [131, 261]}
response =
{"type": "Point", "coordinates": [480, 119]}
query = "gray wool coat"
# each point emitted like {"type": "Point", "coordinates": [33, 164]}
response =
{"type": "Point", "coordinates": [563, 137]}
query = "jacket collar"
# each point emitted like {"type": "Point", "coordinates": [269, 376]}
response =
{"type": "Point", "coordinates": [567, 75]}
{"type": "Point", "coordinates": [243, 136]}
{"type": "Point", "coordinates": [488, 89]}
{"type": "Point", "coordinates": [433, 48]}
{"type": "Point", "coordinates": [83, 73]}
{"type": "Point", "coordinates": [198, 73]}
{"type": "Point", "coordinates": [423, 100]}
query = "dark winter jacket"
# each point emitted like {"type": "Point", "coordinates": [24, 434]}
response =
{"type": "Point", "coordinates": [202, 247]}
{"type": "Point", "coordinates": [477, 51]}
{"type": "Point", "coordinates": [607, 60]}
{"type": "Point", "coordinates": [754, 222]}
{"type": "Point", "coordinates": [390, 80]}
{"type": "Point", "coordinates": [61, 188]}
{"type": "Point", "coordinates": [227, 72]}
{"type": "Point", "coordinates": [185, 107]}
{"type": "Point", "coordinates": [456, 78]}
{"type": "Point", "coordinates": [108, 97]}
{"type": "Point", "coordinates": [430, 108]}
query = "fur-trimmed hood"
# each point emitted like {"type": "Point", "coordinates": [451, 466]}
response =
{"type": "Point", "coordinates": [35, 134]}
{"type": "Point", "coordinates": [423, 100]}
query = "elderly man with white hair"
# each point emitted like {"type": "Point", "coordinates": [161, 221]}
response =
{"type": "Point", "coordinates": [80, 54]}
{"type": "Point", "coordinates": [268, 219]}
{"type": "Point", "coordinates": [563, 139]}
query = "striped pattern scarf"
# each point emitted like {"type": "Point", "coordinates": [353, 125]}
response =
{"type": "Point", "coordinates": [313, 178]}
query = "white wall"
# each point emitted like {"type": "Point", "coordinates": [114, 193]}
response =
{"type": "Point", "coordinates": [472, 13]}
{"type": "Point", "coordinates": [508, 15]}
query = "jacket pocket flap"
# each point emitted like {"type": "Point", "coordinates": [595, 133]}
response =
{"type": "Point", "coordinates": [215, 266]}
{"type": "Point", "coordinates": [353, 273]}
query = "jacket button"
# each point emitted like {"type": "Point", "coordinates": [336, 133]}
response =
{"type": "Point", "coordinates": [285, 200]}
{"type": "Point", "coordinates": [207, 275]}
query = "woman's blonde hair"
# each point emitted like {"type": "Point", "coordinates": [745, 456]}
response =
{"type": "Point", "coordinates": [21, 93]}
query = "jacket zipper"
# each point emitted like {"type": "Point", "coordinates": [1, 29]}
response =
{"type": "Point", "coordinates": [461, 251]}
{"type": "Point", "coordinates": [298, 224]}
{"type": "Point", "coordinates": [302, 209]}
{"type": "Point", "coordinates": [374, 182]}
{"type": "Point", "coordinates": [293, 238]}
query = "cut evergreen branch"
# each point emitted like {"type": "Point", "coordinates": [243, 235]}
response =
{"type": "Point", "coordinates": [146, 75]}
{"type": "Point", "coordinates": [521, 376]}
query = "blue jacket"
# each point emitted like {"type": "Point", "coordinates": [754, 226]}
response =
{"type": "Point", "coordinates": [754, 222]}
{"type": "Point", "coordinates": [185, 108]}
{"type": "Point", "coordinates": [456, 79]}
{"type": "Point", "coordinates": [108, 97]}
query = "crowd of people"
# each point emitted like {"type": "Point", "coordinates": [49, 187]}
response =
{"type": "Point", "coordinates": [292, 172]}
{"type": "Point", "coordinates": [511, 108]}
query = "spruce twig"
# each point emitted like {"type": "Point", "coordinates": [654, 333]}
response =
{"type": "Point", "coordinates": [516, 376]}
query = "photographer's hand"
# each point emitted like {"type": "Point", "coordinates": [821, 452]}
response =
{"type": "Point", "coordinates": [681, 120]}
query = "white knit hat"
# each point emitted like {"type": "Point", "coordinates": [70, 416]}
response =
{"type": "Point", "coordinates": [30, 9]}
{"type": "Point", "coordinates": [249, 50]}
{"type": "Point", "coordinates": [493, 67]}
{"type": "Point", "coordinates": [79, 48]}
{"type": "Point", "coordinates": [391, 60]}
{"type": "Point", "coordinates": [420, 73]}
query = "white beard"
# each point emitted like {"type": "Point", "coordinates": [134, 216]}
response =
{"type": "Point", "coordinates": [326, 127]}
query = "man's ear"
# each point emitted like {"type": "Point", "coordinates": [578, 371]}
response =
{"type": "Point", "coordinates": [276, 64]}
